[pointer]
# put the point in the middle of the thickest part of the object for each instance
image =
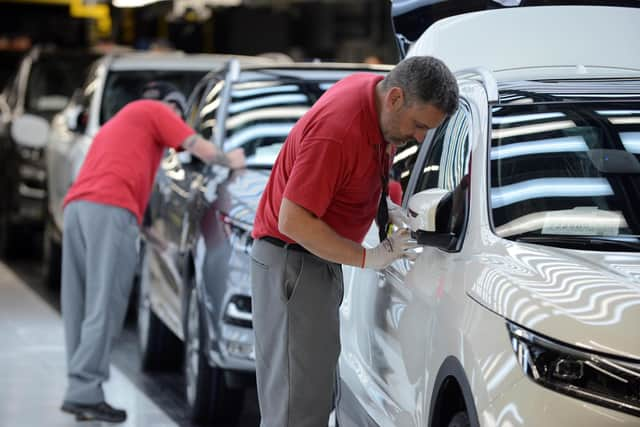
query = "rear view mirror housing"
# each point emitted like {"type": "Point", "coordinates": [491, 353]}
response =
{"type": "Point", "coordinates": [30, 131]}
{"type": "Point", "coordinates": [438, 217]}
{"type": "Point", "coordinates": [75, 118]}
{"type": "Point", "coordinates": [428, 212]}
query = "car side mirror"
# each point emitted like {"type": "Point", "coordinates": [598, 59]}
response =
{"type": "Point", "coordinates": [30, 131]}
{"type": "Point", "coordinates": [428, 213]}
{"type": "Point", "coordinates": [76, 118]}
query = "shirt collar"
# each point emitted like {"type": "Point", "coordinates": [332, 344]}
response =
{"type": "Point", "coordinates": [369, 105]}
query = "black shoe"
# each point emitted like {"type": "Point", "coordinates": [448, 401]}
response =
{"type": "Point", "coordinates": [98, 411]}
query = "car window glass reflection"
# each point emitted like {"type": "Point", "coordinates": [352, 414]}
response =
{"type": "Point", "coordinates": [123, 87]}
{"type": "Point", "coordinates": [52, 81]}
{"type": "Point", "coordinates": [448, 159]}
{"type": "Point", "coordinates": [559, 170]}
{"type": "Point", "coordinates": [262, 113]}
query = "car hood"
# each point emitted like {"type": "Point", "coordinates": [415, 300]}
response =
{"type": "Point", "coordinates": [585, 298]}
{"type": "Point", "coordinates": [243, 191]}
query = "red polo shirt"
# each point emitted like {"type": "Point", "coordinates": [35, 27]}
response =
{"type": "Point", "coordinates": [125, 154]}
{"type": "Point", "coordinates": [331, 162]}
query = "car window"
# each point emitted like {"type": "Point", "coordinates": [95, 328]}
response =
{"type": "Point", "coordinates": [566, 169]}
{"type": "Point", "coordinates": [9, 62]}
{"type": "Point", "coordinates": [52, 81]}
{"type": "Point", "coordinates": [447, 161]}
{"type": "Point", "coordinates": [403, 163]}
{"type": "Point", "coordinates": [261, 114]}
{"type": "Point", "coordinates": [195, 100]}
{"type": "Point", "coordinates": [122, 87]}
{"type": "Point", "coordinates": [207, 111]}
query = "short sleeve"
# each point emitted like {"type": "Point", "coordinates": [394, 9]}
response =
{"type": "Point", "coordinates": [171, 129]}
{"type": "Point", "coordinates": [316, 175]}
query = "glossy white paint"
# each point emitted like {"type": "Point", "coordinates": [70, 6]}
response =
{"type": "Point", "coordinates": [424, 205]}
{"type": "Point", "coordinates": [534, 37]}
{"type": "Point", "coordinates": [527, 404]}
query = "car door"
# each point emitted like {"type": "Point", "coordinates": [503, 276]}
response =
{"type": "Point", "coordinates": [177, 186]}
{"type": "Point", "coordinates": [388, 315]}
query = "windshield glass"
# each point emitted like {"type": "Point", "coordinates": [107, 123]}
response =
{"type": "Point", "coordinates": [262, 113]}
{"type": "Point", "coordinates": [8, 65]}
{"type": "Point", "coordinates": [123, 87]}
{"type": "Point", "coordinates": [53, 79]}
{"type": "Point", "coordinates": [566, 170]}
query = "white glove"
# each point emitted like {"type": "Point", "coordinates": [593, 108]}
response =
{"type": "Point", "coordinates": [396, 215]}
{"type": "Point", "coordinates": [390, 249]}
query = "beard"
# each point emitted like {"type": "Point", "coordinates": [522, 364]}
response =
{"type": "Point", "coordinates": [401, 142]}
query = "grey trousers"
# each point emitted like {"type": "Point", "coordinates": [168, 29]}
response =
{"type": "Point", "coordinates": [296, 298]}
{"type": "Point", "coordinates": [99, 257]}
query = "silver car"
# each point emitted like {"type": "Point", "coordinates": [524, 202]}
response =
{"type": "Point", "coordinates": [195, 283]}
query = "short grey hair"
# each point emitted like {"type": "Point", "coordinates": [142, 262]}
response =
{"type": "Point", "coordinates": [425, 79]}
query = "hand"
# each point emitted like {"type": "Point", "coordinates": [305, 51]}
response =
{"type": "Point", "coordinates": [393, 247]}
{"type": "Point", "coordinates": [236, 159]}
{"type": "Point", "coordinates": [396, 215]}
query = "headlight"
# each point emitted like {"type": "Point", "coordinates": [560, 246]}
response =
{"type": "Point", "coordinates": [596, 378]}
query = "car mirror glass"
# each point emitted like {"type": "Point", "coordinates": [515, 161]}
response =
{"type": "Point", "coordinates": [30, 131]}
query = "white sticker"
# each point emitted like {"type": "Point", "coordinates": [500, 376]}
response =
{"type": "Point", "coordinates": [583, 221]}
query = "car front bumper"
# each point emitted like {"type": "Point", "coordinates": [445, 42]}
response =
{"type": "Point", "coordinates": [528, 404]}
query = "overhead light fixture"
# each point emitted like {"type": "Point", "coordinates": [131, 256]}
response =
{"type": "Point", "coordinates": [133, 3]}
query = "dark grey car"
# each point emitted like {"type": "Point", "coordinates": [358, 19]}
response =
{"type": "Point", "coordinates": [196, 280]}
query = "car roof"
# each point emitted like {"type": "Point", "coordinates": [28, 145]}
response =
{"type": "Point", "coordinates": [311, 70]}
{"type": "Point", "coordinates": [503, 39]}
{"type": "Point", "coordinates": [177, 61]}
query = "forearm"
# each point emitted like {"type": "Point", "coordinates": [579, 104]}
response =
{"type": "Point", "coordinates": [316, 236]}
{"type": "Point", "coordinates": [205, 150]}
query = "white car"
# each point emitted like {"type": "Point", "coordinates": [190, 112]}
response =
{"type": "Point", "coordinates": [113, 81]}
{"type": "Point", "coordinates": [523, 306]}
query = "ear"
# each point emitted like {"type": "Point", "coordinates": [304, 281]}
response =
{"type": "Point", "coordinates": [394, 99]}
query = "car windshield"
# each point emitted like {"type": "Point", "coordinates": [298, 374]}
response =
{"type": "Point", "coordinates": [9, 62]}
{"type": "Point", "coordinates": [53, 79]}
{"type": "Point", "coordinates": [262, 113]}
{"type": "Point", "coordinates": [566, 172]}
{"type": "Point", "coordinates": [123, 87]}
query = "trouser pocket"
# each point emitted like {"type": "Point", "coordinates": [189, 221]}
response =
{"type": "Point", "coordinates": [293, 268]}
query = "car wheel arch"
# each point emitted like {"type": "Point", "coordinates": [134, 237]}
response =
{"type": "Point", "coordinates": [451, 379]}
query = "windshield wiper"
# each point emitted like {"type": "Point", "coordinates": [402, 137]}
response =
{"type": "Point", "coordinates": [598, 243]}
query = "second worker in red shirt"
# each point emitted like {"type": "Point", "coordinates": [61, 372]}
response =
{"type": "Point", "coordinates": [102, 214]}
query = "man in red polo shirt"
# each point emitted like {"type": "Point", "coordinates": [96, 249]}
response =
{"type": "Point", "coordinates": [322, 196]}
{"type": "Point", "coordinates": [102, 214]}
